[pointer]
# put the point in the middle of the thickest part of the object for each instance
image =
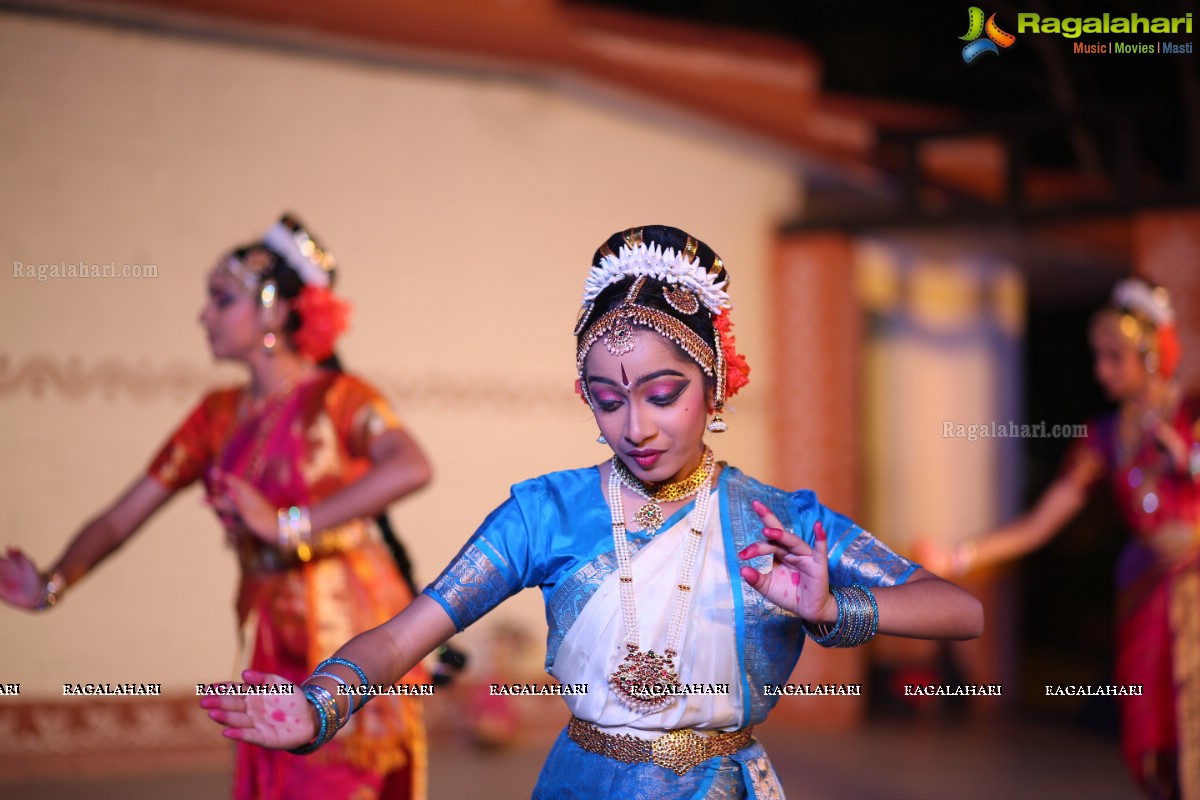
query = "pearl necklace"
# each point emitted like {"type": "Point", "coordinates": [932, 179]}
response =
{"type": "Point", "coordinates": [650, 516]}
{"type": "Point", "coordinates": [647, 681]}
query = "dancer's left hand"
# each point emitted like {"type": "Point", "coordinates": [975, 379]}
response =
{"type": "Point", "coordinates": [277, 721]}
{"type": "Point", "coordinates": [799, 576]}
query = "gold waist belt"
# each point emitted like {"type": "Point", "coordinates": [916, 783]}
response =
{"type": "Point", "coordinates": [256, 556]}
{"type": "Point", "coordinates": [678, 751]}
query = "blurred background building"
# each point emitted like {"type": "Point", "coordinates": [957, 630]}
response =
{"type": "Point", "coordinates": [913, 240]}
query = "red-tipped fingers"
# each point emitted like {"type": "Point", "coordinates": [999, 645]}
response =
{"type": "Point", "coordinates": [751, 576]}
{"type": "Point", "coordinates": [822, 541]}
{"type": "Point", "coordinates": [790, 541]}
{"type": "Point", "coordinates": [231, 719]}
{"type": "Point", "coordinates": [766, 515]}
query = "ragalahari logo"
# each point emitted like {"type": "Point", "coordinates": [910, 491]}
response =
{"type": "Point", "coordinates": [976, 27]}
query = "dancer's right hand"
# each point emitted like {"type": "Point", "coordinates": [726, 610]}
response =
{"type": "Point", "coordinates": [276, 721]}
{"type": "Point", "coordinates": [20, 583]}
{"type": "Point", "coordinates": [933, 556]}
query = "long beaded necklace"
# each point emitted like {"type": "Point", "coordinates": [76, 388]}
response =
{"type": "Point", "coordinates": [650, 516]}
{"type": "Point", "coordinates": [647, 681]}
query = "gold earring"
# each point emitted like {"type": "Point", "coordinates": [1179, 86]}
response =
{"type": "Point", "coordinates": [717, 425]}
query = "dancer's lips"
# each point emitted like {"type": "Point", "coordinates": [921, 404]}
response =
{"type": "Point", "coordinates": [646, 459]}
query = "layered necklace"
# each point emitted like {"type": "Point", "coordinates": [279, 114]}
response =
{"type": "Point", "coordinates": [650, 516]}
{"type": "Point", "coordinates": [647, 681]}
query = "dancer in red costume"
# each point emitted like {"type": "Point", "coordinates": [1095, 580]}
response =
{"type": "Point", "coordinates": [1149, 453]}
{"type": "Point", "coordinates": [297, 463]}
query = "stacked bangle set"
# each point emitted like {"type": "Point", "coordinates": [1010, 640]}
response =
{"type": "Point", "coordinates": [857, 619]}
{"type": "Point", "coordinates": [330, 716]}
{"type": "Point", "coordinates": [295, 532]}
{"type": "Point", "coordinates": [52, 590]}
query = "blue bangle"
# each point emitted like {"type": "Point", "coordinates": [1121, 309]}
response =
{"type": "Point", "coordinates": [312, 746]}
{"type": "Point", "coordinates": [857, 620]}
{"type": "Point", "coordinates": [362, 676]}
{"type": "Point", "coordinates": [874, 612]}
{"type": "Point", "coordinates": [831, 636]}
{"type": "Point", "coordinates": [325, 697]}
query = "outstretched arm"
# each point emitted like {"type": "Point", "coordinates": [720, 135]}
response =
{"type": "Point", "coordinates": [1028, 532]}
{"type": "Point", "coordinates": [385, 654]}
{"type": "Point", "coordinates": [22, 585]}
{"type": "Point", "coordinates": [924, 607]}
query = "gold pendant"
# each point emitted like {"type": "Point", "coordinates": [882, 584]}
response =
{"type": "Point", "coordinates": [649, 517]}
{"type": "Point", "coordinates": [645, 682]}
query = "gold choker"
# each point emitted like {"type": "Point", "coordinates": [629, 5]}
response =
{"type": "Point", "coordinates": [650, 516]}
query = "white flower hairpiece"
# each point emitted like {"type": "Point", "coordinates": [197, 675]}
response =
{"type": "Point", "coordinates": [301, 254]}
{"type": "Point", "coordinates": [652, 261]}
{"type": "Point", "coordinates": [1153, 302]}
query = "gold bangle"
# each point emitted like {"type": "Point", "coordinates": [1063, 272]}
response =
{"type": "Point", "coordinates": [56, 584]}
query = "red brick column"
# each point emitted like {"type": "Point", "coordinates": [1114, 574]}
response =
{"type": "Point", "coordinates": [1167, 251]}
{"type": "Point", "coordinates": [816, 334]}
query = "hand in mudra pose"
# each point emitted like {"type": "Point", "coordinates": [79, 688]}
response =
{"type": "Point", "coordinates": [799, 576]}
{"type": "Point", "coordinates": [277, 721]}
{"type": "Point", "coordinates": [20, 583]}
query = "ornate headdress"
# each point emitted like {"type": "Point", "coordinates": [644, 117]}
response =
{"type": "Point", "coordinates": [688, 287]}
{"type": "Point", "coordinates": [323, 317]}
{"type": "Point", "coordinates": [1145, 317]}
{"type": "Point", "coordinates": [313, 264]}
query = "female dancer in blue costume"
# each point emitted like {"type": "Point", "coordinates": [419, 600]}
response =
{"type": "Point", "coordinates": [674, 617]}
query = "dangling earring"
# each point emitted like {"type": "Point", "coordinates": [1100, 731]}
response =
{"type": "Point", "coordinates": [601, 440]}
{"type": "Point", "coordinates": [717, 425]}
{"type": "Point", "coordinates": [267, 298]}
{"type": "Point", "coordinates": [1150, 361]}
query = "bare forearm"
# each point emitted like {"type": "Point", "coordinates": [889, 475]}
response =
{"type": "Point", "coordinates": [1019, 537]}
{"type": "Point", "coordinates": [1030, 531]}
{"type": "Point", "coordinates": [103, 535]}
{"type": "Point", "coordinates": [97, 540]}
{"type": "Point", "coordinates": [398, 468]}
{"type": "Point", "coordinates": [927, 607]}
{"type": "Point", "coordinates": [369, 495]}
{"type": "Point", "coordinates": [388, 652]}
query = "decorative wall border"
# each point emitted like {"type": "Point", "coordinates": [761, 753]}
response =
{"type": "Point", "coordinates": [47, 728]}
{"type": "Point", "coordinates": [75, 378]}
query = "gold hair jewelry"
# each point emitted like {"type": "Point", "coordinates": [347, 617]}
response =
{"type": "Point", "coordinates": [300, 251]}
{"type": "Point", "coordinates": [650, 516]}
{"type": "Point", "coordinates": [624, 317]}
{"type": "Point", "coordinates": [690, 248]}
{"type": "Point", "coordinates": [248, 270]}
{"type": "Point", "coordinates": [681, 299]}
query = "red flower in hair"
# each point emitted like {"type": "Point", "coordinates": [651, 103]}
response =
{"type": "Point", "coordinates": [737, 371]}
{"type": "Point", "coordinates": [323, 318]}
{"type": "Point", "coordinates": [1168, 350]}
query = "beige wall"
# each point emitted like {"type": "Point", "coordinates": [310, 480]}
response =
{"type": "Point", "coordinates": [464, 207]}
